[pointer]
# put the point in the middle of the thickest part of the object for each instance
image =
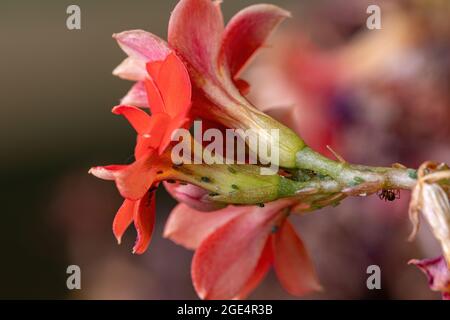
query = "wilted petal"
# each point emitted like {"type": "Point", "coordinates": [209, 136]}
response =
{"type": "Point", "coordinates": [195, 197]}
{"type": "Point", "coordinates": [437, 272]}
{"type": "Point", "coordinates": [195, 31]}
{"type": "Point", "coordinates": [144, 221]}
{"type": "Point", "coordinates": [292, 264]}
{"type": "Point", "coordinates": [123, 218]}
{"type": "Point", "coordinates": [142, 45]}
{"type": "Point", "coordinates": [189, 227]}
{"type": "Point", "coordinates": [137, 96]}
{"type": "Point", "coordinates": [226, 260]}
{"type": "Point", "coordinates": [246, 32]}
{"type": "Point", "coordinates": [131, 69]}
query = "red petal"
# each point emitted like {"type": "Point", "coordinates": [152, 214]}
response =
{"type": "Point", "coordinates": [195, 31]}
{"type": "Point", "coordinates": [171, 127]}
{"type": "Point", "coordinates": [144, 221]}
{"type": "Point", "coordinates": [175, 87]}
{"type": "Point", "coordinates": [259, 273]}
{"type": "Point", "coordinates": [247, 31]}
{"type": "Point", "coordinates": [142, 45]}
{"type": "Point", "coordinates": [135, 180]}
{"type": "Point", "coordinates": [292, 263]}
{"type": "Point", "coordinates": [123, 219]}
{"type": "Point", "coordinates": [189, 227]}
{"type": "Point", "coordinates": [226, 260]}
{"type": "Point", "coordinates": [138, 118]}
{"type": "Point", "coordinates": [155, 101]}
{"type": "Point", "coordinates": [137, 96]}
{"type": "Point", "coordinates": [153, 138]}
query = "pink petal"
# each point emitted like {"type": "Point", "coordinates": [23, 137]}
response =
{"type": "Point", "coordinates": [137, 96]}
{"type": "Point", "coordinates": [142, 45]}
{"type": "Point", "coordinates": [226, 260]}
{"type": "Point", "coordinates": [292, 263]}
{"type": "Point", "coordinates": [195, 32]}
{"type": "Point", "coordinates": [247, 31]}
{"type": "Point", "coordinates": [144, 222]}
{"type": "Point", "coordinates": [259, 273]}
{"type": "Point", "coordinates": [123, 219]}
{"type": "Point", "coordinates": [138, 118]}
{"type": "Point", "coordinates": [131, 69]}
{"type": "Point", "coordinates": [189, 227]}
{"type": "Point", "coordinates": [195, 197]}
{"type": "Point", "coordinates": [437, 272]}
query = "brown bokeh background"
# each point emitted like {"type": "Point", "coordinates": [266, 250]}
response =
{"type": "Point", "coordinates": [57, 89]}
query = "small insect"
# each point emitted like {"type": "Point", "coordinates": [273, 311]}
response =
{"type": "Point", "coordinates": [388, 194]}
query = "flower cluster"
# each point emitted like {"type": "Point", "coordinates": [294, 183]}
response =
{"type": "Point", "coordinates": [234, 218]}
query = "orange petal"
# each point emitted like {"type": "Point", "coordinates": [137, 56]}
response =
{"type": "Point", "coordinates": [246, 33]}
{"type": "Point", "coordinates": [175, 86]}
{"type": "Point", "coordinates": [138, 118]}
{"type": "Point", "coordinates": [134, 181]}
{"type": "Point", "coordinates": [123, 219]}
{"type": "Point", "coordinates": [154, 99]}
{"type": "Point", "coordinates": [153, 138]}
{"type": "Point", "coordinates": [292, 263]}
{"type": "Point", "coordinates": [144, 222]}
{"type": "Point", "coordinates": [189, 227]}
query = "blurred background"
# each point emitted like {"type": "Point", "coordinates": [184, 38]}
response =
{"type": "Point", "coordinates": [376, 96]}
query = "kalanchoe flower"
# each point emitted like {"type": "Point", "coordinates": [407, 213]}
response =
{"type": "Point", "coordinates": [236, 246]}
{"type": "Point", "coordinates": [438, 274]}
{"type": "Point", "coordinates": [169, 95]}
{"type": "Point", "coordinates": [215, 56]}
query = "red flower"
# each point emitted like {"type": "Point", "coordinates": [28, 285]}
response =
{"type": "Point", "coordinates": [438, 274]}
{"type": "Point", "coordinates": [168, 90]}
{"type": "Point", "coordinates": [236, 246]}
{"type": "Point", "coordinates": [215, 55]}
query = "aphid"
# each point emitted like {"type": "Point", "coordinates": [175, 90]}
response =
{"type": "Point", "coordinates": [389, 194]}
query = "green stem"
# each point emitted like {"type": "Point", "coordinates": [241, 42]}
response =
{"type": "Point", "coordinates": [350, 175]}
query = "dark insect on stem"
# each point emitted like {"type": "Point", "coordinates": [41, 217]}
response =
{"type": "Point", "coordinates": [388, 194]}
